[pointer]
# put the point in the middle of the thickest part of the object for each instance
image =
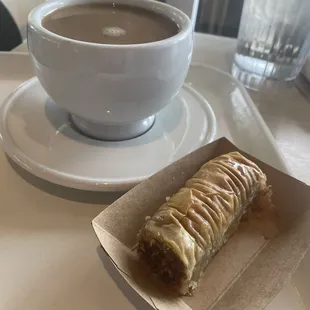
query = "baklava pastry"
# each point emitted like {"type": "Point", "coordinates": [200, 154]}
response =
{"type": "Point", "coordinates": [181, 238]}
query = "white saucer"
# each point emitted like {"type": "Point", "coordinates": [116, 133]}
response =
{"type": "Point", "coordinates": [38, 136]}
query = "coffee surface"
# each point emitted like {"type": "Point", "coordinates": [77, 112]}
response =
{"type": "Point", "coordinates": [110, 24]}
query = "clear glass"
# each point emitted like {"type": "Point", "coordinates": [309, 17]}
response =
{"type": "Point", "coordinates": [273, 41]}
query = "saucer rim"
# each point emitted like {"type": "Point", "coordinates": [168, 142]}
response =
{"type": "Point", "coordinates": [51, 175]}
{"type": "Point", "coordinates": [72, 181]}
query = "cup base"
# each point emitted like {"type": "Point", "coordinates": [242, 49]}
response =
{"type": "Point", "coordinates": [112, 132]}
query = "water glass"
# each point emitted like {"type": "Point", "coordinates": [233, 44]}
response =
{"type": "Point", "coordinates": [273, 42]}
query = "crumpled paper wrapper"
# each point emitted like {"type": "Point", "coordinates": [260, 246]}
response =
{"type": "Point", "coordinates": [247, 273]}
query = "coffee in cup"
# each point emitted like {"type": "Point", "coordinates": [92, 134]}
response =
{"type": "Point", "coordinates": [110, 23]}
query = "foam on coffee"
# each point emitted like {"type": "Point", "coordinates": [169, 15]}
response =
{"type": "Point", "coordinates": [110, 23]}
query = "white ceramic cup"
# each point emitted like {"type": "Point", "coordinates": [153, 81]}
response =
{"type": "Point", "coordinates": [112, 91]}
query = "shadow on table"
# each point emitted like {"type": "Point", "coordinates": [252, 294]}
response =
{"type": "Point", "coordinates": [133, 297]}
{"type": "Point", "coordinates": [101, 198]}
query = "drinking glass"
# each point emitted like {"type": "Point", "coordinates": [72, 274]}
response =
{"type": "Point", "coordinates": [273, 42]}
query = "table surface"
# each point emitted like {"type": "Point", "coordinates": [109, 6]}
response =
{"type": "Point", "coordinates": [53, 216]}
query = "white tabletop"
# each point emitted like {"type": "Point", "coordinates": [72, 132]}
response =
{"type": "Point", "coordinates": [30, 279]}
{"type": "Point", "coordinates": [287, 114]}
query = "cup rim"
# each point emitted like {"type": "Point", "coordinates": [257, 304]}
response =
{"type": "Point", "coordinates": [35, 21]}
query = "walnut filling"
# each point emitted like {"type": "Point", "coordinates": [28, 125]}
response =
{"type": "Point", "coordinates": [163, 262]}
